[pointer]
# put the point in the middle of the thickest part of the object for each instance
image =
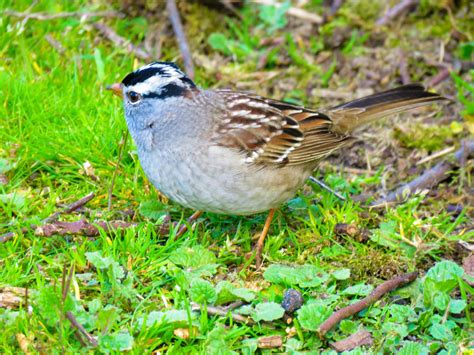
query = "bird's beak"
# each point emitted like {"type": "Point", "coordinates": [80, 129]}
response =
{"type": "Point", "coordinates": [116, 89]}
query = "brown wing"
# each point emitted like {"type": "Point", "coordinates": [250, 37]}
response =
{"type": "Point", "coordinates": [274, 132]}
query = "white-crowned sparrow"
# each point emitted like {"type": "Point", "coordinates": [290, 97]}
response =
{"type": "Point", "coordinates": [233, 152]}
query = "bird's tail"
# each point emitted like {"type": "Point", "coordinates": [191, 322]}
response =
{"type": "Point", "coordinates": [349, 116]}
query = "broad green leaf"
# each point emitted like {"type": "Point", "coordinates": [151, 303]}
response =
{"type": "Point", "coordinates": [219, 42]}
{"type": "Point", "coordinates": [202, 292]}
{"type": "Point", "coordinates": [216, 344]}
{"type": "Point", "coordinates": [413, 348]}
{"type": "Point", "coordinates": [341, 274]}
{"type": "Point", "coordinates": [312, 315]}
{"type": "Point", "coordinates": [16, 200]}
{"type": "Point", "coordinates": [457, 306]}
{"type": "Point", "coordinates": [442, 277]}
{"type": "Point", "coordinates": [391, 329]}
{"type": "Point", "coordinates": [103, 263]}
{"type": "Point", "coordinates": [303, 276]}
{"type": "Point", "coordinates": [120, 341]}
{"type": "Point", "coordinates": [153, 209]}
{"type": "Point", "coordinates": [347, 326]}
{"type": "Point", "coordinates": [400, 313]}
{"type": "Point", "coordinates": [244, 294]}
{"type": "Point", "coordinates": [358, 290]}
{"type": "Point", "coordinates": [441, 301]}
{"type": "Point", "coordinates": [171, 316]}
{"type": "Point", "coordinates": [194, 257]}
{"type": "Point", "coordinates": [441, 332]}
{"type": "Point", "coordinates": [6, 165]}
{"type": "Point", "coordinates": [268, 311]}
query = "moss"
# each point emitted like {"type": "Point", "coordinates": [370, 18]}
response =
{"type": "Point", "coordinates": [427, 137]}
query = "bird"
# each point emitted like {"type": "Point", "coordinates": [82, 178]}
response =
{"type": "Point", "coordinates": [238, 153]}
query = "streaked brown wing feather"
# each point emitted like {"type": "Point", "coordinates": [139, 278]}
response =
{"type": "Point", "coordinates": [276, 132]}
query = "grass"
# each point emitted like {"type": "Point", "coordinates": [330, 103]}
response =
{"type": "Point", "coordinates": [133, 289]}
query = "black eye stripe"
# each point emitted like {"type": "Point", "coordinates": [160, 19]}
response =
{"type": "Point", "coordinates": [170, 90]}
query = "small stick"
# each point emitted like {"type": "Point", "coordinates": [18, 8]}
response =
{"type": "Point", "coordinates": [173, 15]}
{"type": "Point", "coordinates": [403, 69]}
{"type": "Point", "coordinates": [80, 228]}
{"type": "Point", "coordinates": [81, 330]}
{"type": "Point", "coordinates": [112, 36]}
{"type": "Point", "coordinates": [122, 143]}
{"type": "Point", "coordinates": [436, 155]}
{"type": "Point", "coordinates": [439, 78]}
{"type": "Point", "coordinates": [42, 16]}
{"type": "Point", "coordinates": [430, 177]}
{"type": "Point", "coordinates": [361, 338]}
{"type": "Point", "coordinates": [397, 10]}
{"type": "Point", "coordinates": [69, 209]}
{"type": "Point", "coordinates": [326, 187]}
{"type": "Point", "coordinates": [375, 295]}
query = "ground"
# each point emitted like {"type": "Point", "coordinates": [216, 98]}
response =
{"type": "Point", "coordinates": [61, 138]}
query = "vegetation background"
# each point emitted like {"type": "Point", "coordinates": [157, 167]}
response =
{"type": "Point", "coordinates": [61, 135]}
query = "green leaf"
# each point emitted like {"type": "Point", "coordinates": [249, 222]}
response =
{"type": "Point", "coordinates": [153, 209]}
{"type": "Point", "coordinates": [358, 290]}
{"type": "Point", "coordinates": [303, 276]}
{"type": "Point", "coordinates": [441, 278]}
{"type": "Point", "coordinates": [50, 305]}
{"type": "Point", "coordinates": [244, 294]}
{"type": "Point", "coordinates": [342, 274]}
{"type": "Point", "coordinates": [441, 301]}
{"type": "Point", "coordinates": [445, 274]}
{"type": "Point", "coordinates": [6, 165]}
{"type": "Point", "coordinates": [400, 313]}
{"type": "Point", "coordinates": [441, 332]}
{"type": "Point", "coordinates": [215, 343]}
{"type": "Point", "coordinates": [15, 200]}
{"type": "Point", "coordinates": [120, 341]}
{"type": "Point", "coordinates": [202, 292]}
{"type": "Point", "coordinates": [457, 306]}
{"type": "Point", "coordinates": [268, 311]}
{"type": "Point", "coordinates": [171, 316]}
{"type": "Point", "coordinates": [194, 257]}
{"type": "Point", "coordinates": [348, 326]}
{"type": "Point", "coordinates": [412, 348]}
{"type": "Point", "coordinates": [312, 315]}
{"type": "Point", "coordinates": [105, 263]}
{"type": "Point", "coordinates": [219, 42]}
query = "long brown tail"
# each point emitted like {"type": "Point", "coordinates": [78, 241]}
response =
{"type": "Point", "coordinates": [349, 116]}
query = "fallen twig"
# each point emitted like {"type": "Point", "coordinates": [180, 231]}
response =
{"type": "Point", "coordinates": [376, 294]}
{"type": "Point", "coordinates": [81, 227]}
{"type": "Point", "coordinates": [12, 297]}
{"type": "Point", "coordinates": [270, 342]}
{"type": "Point", "coordinates": [69, 209]}
{"type": "Point", "coordinates": [396, 11]}
{"type": "Point", "coordinates": [42, 16]}
{"type": "Point", "coordinates": [430, 177]}
{"type": "Point", "coordinates": [173, 14]}
{"type": "Point", "coordinates": [362, 337]}
{"type": "Point", "coordinates": [438, 78]}
{"type": "Point", "coordinates": [223, 312]}
{"type": "Point", "coordinates": [118, 40]}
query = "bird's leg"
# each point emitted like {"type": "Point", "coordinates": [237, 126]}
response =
{"type": "Point", "coordinates": [261, 239]}
{"type": "Point", "coordinates": [184, 227]}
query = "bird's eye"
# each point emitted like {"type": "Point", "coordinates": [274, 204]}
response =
{"type": "Point", "coordinates": [134, 97]}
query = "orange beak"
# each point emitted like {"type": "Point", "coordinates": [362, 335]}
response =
{"type": "Point", "coordinates": [116, 89]}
